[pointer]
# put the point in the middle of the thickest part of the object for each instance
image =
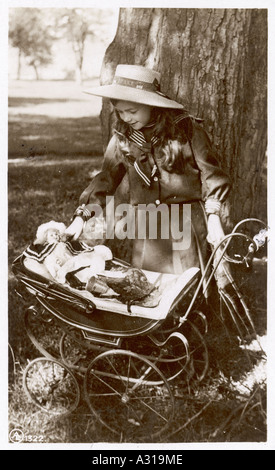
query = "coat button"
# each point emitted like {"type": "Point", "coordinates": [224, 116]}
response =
{"type": "Point", "coordinates": [156, 178]}
{"type": "Point", "coordinates": [157, 202]}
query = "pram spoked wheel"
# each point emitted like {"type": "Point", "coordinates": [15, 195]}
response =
{"type": "Point", "coordinates": [185, 353]}
{"type": "Point", "coordinates": [128, 394]}
{"type": "Point", "coordinates": [74, 352]}
{"type": "Point", "coordinates": [198, 350]}
{"type": "Point", "coordinates": [43, 331]}
{"type": "Point", "coordinates": [51, 386]}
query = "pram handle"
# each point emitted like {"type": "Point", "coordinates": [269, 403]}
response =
{"type": "Point", "coordinates": [258, 241]}
{"type": "Point", "coordinates": [255, 243]}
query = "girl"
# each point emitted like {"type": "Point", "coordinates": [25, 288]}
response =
{"type": "Point", "coordinates": [160, 156]}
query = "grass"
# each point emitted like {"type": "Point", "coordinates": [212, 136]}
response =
{"type": "Point", "coordinates": [52, 161]}
{"type": "Point", "coordinates": [71, 138]}
{"type": "Point", "coordinates": [53, 119]}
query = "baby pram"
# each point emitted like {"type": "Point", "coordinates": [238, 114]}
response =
{"type": "Point", "coordinates": [126, 362]}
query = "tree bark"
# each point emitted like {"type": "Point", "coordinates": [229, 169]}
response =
{"type": "Point", "coordinates": [214, 61]}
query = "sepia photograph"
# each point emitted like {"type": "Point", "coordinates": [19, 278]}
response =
{"type": "Point", "coordinates": [138, 226]}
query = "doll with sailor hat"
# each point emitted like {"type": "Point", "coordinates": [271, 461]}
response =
{"type": "Point", "coordinates": [159, 154]}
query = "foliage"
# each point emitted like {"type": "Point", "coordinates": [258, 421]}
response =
{"type": "Point", "coordinates": [76, 24]}
{"type": "Point", "coordinates": [32, 31]}
{"type": "Point", "coordinates": [29, 33]}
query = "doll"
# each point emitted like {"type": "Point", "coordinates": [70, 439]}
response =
{"type": "Point", "coordinates": [59, 256]}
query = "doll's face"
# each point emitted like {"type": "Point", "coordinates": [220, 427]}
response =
{"type": "Point", "coordinates": [134, 114]}
{"type": "Point", "coordinates": [53, 235]}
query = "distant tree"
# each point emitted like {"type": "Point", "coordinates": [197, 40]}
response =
{"type": "Point", "coordinates": [30, 35]}
{"type": "Point", "coordinates": [77, 24]}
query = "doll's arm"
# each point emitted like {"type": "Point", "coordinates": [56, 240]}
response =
{"type": "Point", "coordinates": [51, 265]}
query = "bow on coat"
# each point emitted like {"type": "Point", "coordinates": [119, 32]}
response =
{"type": "Point", "coordinates": [141, 163]}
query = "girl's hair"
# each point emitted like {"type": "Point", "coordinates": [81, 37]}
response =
{"type": "Point", "coordinates": [171, 135]}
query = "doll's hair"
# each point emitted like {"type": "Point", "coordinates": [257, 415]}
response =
{"type": "Point", "coordinates": [42, 231]}
{"type": "Point", "coordinates": [171, 135]}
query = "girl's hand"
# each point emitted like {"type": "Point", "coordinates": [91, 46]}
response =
{"type": "Point", "coordinates": [76, 227]}
{"type": "Point", "coordinates": [215, 230]}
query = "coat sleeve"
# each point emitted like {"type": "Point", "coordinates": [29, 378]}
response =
{"type": "Point", "coordinates": [106, 181]}
{"type": "Point", "coordinates": [215, 182]}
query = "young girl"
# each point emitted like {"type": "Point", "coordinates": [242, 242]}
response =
{"type": "Point", "coordinates": [158, 155]}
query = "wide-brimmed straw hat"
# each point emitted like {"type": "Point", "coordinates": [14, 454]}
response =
{"type": "Point", "coordinates": [136, 84]}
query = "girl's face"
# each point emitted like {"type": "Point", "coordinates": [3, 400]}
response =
{"type": "Point", "coordinates": [134, 114]}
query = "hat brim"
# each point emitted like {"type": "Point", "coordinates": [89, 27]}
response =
{"type": "Point", "coordinates": [133, 95]}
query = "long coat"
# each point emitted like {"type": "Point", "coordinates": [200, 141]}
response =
{"type": "Point", "coordinates": [133, 171]}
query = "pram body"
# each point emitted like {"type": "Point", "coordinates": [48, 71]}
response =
{"type": "Point", "coordinates": [127, 360]}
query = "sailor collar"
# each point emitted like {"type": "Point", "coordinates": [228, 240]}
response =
{"type": "Point", "coordinates": [39, 252]}
{"type": "Point", "coordinates": [141, 162]}
{"type": "Point", "coordinates": [139, 139]}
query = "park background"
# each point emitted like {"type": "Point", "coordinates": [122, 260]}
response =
{"type": "Point", "coordinates": [54, 148]}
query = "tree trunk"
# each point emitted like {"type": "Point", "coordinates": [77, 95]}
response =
{"type": "Point", "coordinates": [19, 64]}
{"type": "Point", "coordinates": [214, 61]}
{"type": "Point", "coordinates": [78, 75]}
{"type": "Point", "coordinates": [36, 72]}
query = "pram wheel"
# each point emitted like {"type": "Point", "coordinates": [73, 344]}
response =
{"type": "Point", "coordinates": [198, 351]}
{"type": "Point", "coordinates": [51, 386]}
{"type": "Point", "coordinates": [120, 389]}
{"type": "Point", "coordinates": [75, 353]}
{"type": "Point", "coordinates": [43, 331]}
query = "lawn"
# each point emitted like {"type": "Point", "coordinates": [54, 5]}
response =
{"type": "Point", "coordinates": [54, 149]}
{"type": "Point", "coordinates": [53, 119]}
